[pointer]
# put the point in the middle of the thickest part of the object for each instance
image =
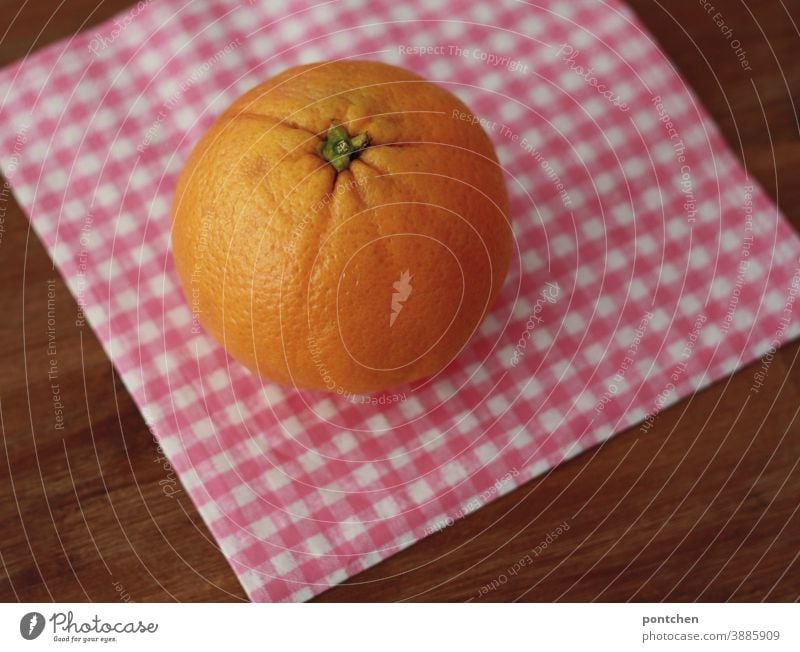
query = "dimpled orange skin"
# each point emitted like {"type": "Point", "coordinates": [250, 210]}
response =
{"type": "Point", "coordinates": [296, 269]}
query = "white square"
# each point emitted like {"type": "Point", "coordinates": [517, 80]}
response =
{"type": "Point", "coordinates": [452, 29]}
{"type": "Point", "coordinates": [291, 426]}
{"type": "Point", "coordinates": [645, 368]}
{"type": "Point", "coordinates": [669, 274]}
{"type": "Point", "coordinates": [569, 82]}
{"type": "Point", "coordinates": [126, 300]}
{"type": "Point", "coordinates": [755, 272]}
{"type": "Point", "coordinates": [491, 325]}
{"type": "Point", "coordinates": [302, 595]}
{"type": "Point", "coordinates": [677, 228]}
{"type": "Point", "coordinates": [284, 563]}
{"type": "Point", "coordinates": [221, 463]}
{"type": "Point", "coordinates": [170, 445]}
{"type": "Point", "coordinates": [586, 152]}
{"type": "Point", "coordinates": [729, 240]}
{"type": "Point", "coordinates": [365, 475]}
{"type": "Point", "coordinates": [184, 118]}
{"type": "Point", "coordinates": [190, 480]}
{"type": "Point", "coordinates": [624, 336]}
{"type": "Point", "coordinates": [615, 260]}
{"type": "Point", "coordinates": [486, 453]}
{"type": "Point", "coordinates": [440, 69]}
{"type": "Point", "coordinates": [444, 389]}
{"type": "Point", "coordinates": [204, 429]}
{"type": "Point", "coordinates": [482, 13]}
{"type": "Point", "coordinates": [298, 510]}
{"type": "Point", "coordinates": [605, 306]}
{"type": "Point", "coordinates": [378, 424]}
{"type": "Point", "coordinates": [663, 152]}
{"type": "Point", "coordinates": [251, 581]}
{"type": "Point", "coordinates": [646, 245]}
{"type": "Point", "coordinates": [420, 491]}
{"type": "Point", "coordinates": [325, 409]}
{"type": "Point", "coordinates": [632, 48]}
{"type": "Point", "coordinates": [121, 148]}
{"type": "Point", "coordinates": [532, 25]}
{"type": "Point", "coordinates": [242, 495]}
{"type": "Point", "coordinates": [550, 419]}
{"type": "Point", "coordinates": [689, 304]}
{"type": "Point", "coordinates": [386, 508]}
{"type": "Point", "coordinates": [541, 340]}
{"type": "Point", "coordinates": [411, 407]}
{"type": "Point", "coordinates": [699, 258]}
{"type": "Point", "coordinates": [634, 167]}
{"type": "Point", "coordinates": [318, 545]}
{"type": "Point", "coordinates": [310, 461]}
{"type": "Point", "coordinates": [107, 195]}
{"type": "Point", "coordinates": [743, 319]}
{"type": "Point", "coordinates": [562, 370]}
{"type": "Point", "coordinates": [148, 332]}
{"type": "Point", "coordinates": [509, 356]}
{"type": "Point", "coordinates": [511, 110]}
{"type": "Point", "coordinates": [237, 412]}
{"type": "Point", "coordinates": [604, 182]}
{"type": "Point", "coordinates": [721, 288]}
{"type": "Point", "coordinates": [602, 63]}
{"type": "Point", "coordinates": [541, 95]}
{"type": "Point", "coordinates": [351, 530]}
{"type": "Point", "coordinates": [477, 373]}
{"type": "Point", "coordinates": [126, 224]}
{"type": "Point", "coordinates": [57, 179]}
{"type": "Point", "coordinates": [652, 198]}
{"type": "Point", "coordinates": [497, 405]}
{"type": "Point", "coordinates": [344, 442]}
{"type": "Point", "coordinates": [584, 276]}
{"type": "Point", "coordinates": [398, 458]}
{"type": "Point", "coordinates": [615, 136]}
{"type": "Point", "coordinates": [594, 353]}
{"type": "Point", "coordinates": [574, 323]}
{"type": "Point", "coordinates": [622, 213]}
{"type": "Point", "coordinates": [586, 401]}
{"type": "Point", "coordinates": [774, 301]}
{"type": "Point", "coordinates": [595, 107]}
{"type": "Point", "coordinates": [562, 245]}
{"type": "Point", "coordinates": [522, 309]}
{"type": "Point", "coordinates": [637, 289]}
{"type": "Point", "coordinates": [453, 473]}
{"type": "Point", "coordinates": [209, 511]}
{"type": "Point", "coordinates": [521, 439]}
{"type": "Point", "coordinates": [593, 228]}
{"type": "Point", "coordinates": [531, 261]}
{"type": "Point", "coordinates": [275, 479]}
{"type": "Point", "coordinates": [179, 317]}
{"type": "Point", "coordinates": [54, 105]}
{"type": "Point", "coordinates": [711, 335]}
{"type": "Point", "coordinates": [708, 210]}
{"type": "Point", "coordinates": [675, 349]}
{"type": "Point", "coordinates": [645, 120]}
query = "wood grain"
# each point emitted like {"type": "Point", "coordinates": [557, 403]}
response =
{"type": "Point", "coordinates": [702, 507]}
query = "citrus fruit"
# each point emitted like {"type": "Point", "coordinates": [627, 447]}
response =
{"type": "Point", "coordinates": [343, 226]}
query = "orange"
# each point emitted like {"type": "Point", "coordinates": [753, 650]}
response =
{"type": "Point", "coordinates": [343, 226]}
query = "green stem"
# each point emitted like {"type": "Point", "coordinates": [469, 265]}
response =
{"type": "Point", "coordinates": [339, 148]}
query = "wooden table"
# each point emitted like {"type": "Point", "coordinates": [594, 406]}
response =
{"type": "Point", "coordinates": [702, 507]}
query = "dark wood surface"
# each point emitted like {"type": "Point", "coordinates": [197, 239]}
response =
{"type": "Point", "coordinates": [703, 507]}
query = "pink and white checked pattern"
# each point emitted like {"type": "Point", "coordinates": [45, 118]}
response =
{"type": "Point", "coordinates": [303, 489]}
